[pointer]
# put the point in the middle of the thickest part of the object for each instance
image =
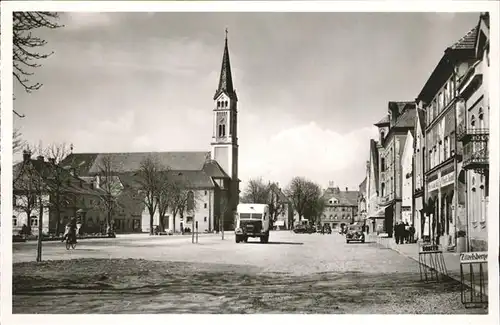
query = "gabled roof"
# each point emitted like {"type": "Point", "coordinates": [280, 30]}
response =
{"type": "Point", "coordinates": [384, 121]}
{"type": "Point", "coordinates": [213, 169]}
{"type": "Point", "coordinates": [123, 162]}
{"type": "Point", "coordinates": [407, 119]}
{"type": "Point", "coordinates": [63, 180]}
{"type": "Point", "coordinates": [374, 160]}
{"type": "Point", "coordinates": [282, 197]}
{"type": "Point", "coordinates": [464, 48]}
{"type": "Point", "coordinates": [467, 42]}
{"type": "Point", "coordinates": [344, 197]}
{"type": "Point", "coordinates": [421, 118]}
{"type": "Point", "coordinates": [193, 178]}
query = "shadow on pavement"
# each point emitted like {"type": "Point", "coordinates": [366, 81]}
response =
{"type": "Point", "coordinates": [276, 243]}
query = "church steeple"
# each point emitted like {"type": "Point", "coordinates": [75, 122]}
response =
{"type": "Point", "coordinates": [226, 78]}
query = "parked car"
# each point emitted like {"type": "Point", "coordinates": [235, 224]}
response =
{"type": "Point", "coordinates": [302, 229]}
{"type": "Point", "coordinates": [354, 233]}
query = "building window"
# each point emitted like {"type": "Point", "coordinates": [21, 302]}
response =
{"type": "Point", "coordinates": [382, 190]}
{"type": "Point", "coordinates": [34, 221]}
{"type": "Point", "coordinates": [452, 89]}
{"type": "Point", "coordinates": [382, 164]}
{"type": "Point", "coordinates": [205, 219]}
{"type": "Point", "coordinates": [481, 118]}
{"type": "Point", "coordinates": [205, 205]}
{"type": "Point", "coordinates": [446, 94]}
{"type": "Point", "coordinates": [205, 192]}
{"type": "Point", "coordinates": [441, 102]}
{"type": "Point", "coordinates": [434, 109]}
{"type": "Point", "coordinates": [14, 221]}
{"type": "Point", "coordinates": [473, 122]}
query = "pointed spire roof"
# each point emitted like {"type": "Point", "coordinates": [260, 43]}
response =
{"type": "Point", "coordinates": [226, 78]}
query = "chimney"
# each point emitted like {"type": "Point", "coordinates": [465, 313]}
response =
{"type": "Point", "coordinates": [346, 189]}
{"type": "Point", "coordinates": [26, 155]}
{"type": "Point", "coordinates": [40, 158]}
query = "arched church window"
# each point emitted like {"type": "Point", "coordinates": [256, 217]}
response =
{"type": "Point", "coordinates": [220, 130]}
{"type": "Point", "coordinates": [473, 121]}
{"type": "Point", "coordinates": [225, 104]}
{"type": "Point", "coordinates": [218, 104]}
{"type": "Point", "coordinates": [223, 130]}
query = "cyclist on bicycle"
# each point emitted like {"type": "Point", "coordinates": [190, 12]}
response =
{"type": "Point", "coordinates": [71, 229]}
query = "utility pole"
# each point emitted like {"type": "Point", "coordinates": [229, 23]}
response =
{"type": "Point", "coordinates": [222, 226]}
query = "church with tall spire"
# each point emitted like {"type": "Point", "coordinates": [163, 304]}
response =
{"type": "Point", "coordinates": [211, 176]}
{"type": "Point", "coordinates": [225, 127]}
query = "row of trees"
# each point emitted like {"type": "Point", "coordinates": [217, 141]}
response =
{"type": "Point", "coordinates": [162, 190]}
{"type": "Point", "coordinates": [305, 196]}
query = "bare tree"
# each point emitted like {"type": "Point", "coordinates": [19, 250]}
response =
{"type": "Point", "coordinates": [25, 188]}
{"type": "Point", "coordinates": [275, 202]}
{"type": "Point", "coordinates": [25, 45]}
{"type": "Point", "coordinates": [149, 186]}
{"type": "Point", "coordinates": [30, 194]}
{"type": "Point", "coordinates": [165, 195]}
{"type": "Point", "coordinates": [17, 141]}
{"type": "Point", "coordinates": [184, 198]}
{"type": "Point", "coordinates": [110, 184]}
{"type": "Point", "coordinates": [305, 196]}
{"type": "Point", "coordinates": [256, 191]}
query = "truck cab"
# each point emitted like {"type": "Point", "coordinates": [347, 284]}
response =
{"type": "Point", "coordinates": [252, 220]}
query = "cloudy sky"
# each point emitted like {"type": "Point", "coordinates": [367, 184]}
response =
{"type": "Point", "coordinates": [310, 86]}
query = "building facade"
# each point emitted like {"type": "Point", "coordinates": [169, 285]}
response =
{"type": "Point", "coordinates": [407, 180]}
{"type": "Point", "coordinates": [473, 115]}
{"type": "Point", "coordinates": [393, 130]}
{"type": "Point", "coordinates": [341, 207]}
{"type": "Point", "coordinates": [375, 214]}
{"type": "Point", "coordinates": [63, 196]}
{"type": "Point", "coordinates": [445, 189]}
{"type": "Point", "coordinates": [419, 218]}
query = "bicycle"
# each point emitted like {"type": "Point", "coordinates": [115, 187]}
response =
{"type": "Point", "coordinates": [70, 242]}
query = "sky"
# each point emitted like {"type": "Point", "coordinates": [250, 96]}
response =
{"type": "Point", "coordinates": [310, 85]}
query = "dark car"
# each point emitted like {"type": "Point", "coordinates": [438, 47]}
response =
{"type": "Point", "coordinates": [354, 233]}
{"type": "Point", "coordinates": [300, 229]}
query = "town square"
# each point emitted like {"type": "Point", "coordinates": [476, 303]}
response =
{"type": "Point", "coordinates": [251, 162]}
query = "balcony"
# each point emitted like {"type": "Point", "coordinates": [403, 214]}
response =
{"type": "Point", "coordinates": [466, 135]}
{"type": "Point", "coordinates": [476, 154]}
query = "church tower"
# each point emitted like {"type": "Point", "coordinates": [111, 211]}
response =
{"type": "Point", "coordinates": [225, 127]}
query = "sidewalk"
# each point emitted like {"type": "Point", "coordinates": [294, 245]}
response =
{"type": "Point", "coordinates": [452, 260]}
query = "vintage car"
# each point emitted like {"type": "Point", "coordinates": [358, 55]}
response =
{"type": "Point", "coordinates": [354, 233]}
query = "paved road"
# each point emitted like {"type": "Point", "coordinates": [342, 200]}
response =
{"type": "Point", "coordinates": [286, 252]}
{"type": "Point", "coordinates": [293, 273]}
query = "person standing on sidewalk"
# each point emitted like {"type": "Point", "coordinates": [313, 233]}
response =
{"type": "Point", "coordinates": [397, 233]}
{"type": "Point", "coordinates": [412, 234]}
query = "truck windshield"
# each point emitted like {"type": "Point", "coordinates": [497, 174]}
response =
{"type": "Point", "coordinates": [251, 216]}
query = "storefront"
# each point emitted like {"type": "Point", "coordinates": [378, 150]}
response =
{"type": "Point", "coordinates": [441, 205]}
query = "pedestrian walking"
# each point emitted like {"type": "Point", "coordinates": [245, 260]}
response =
{"type": "Point", "coordinates": [407, 233]}
{"type": "Point", "coordinates": [397, 232]}
{"type": "Point", "coordinates": [412, 234]}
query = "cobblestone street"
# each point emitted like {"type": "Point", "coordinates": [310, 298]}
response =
{"type": "Point", "coordinates": [294, 273]}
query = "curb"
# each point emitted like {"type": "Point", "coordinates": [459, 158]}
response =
{"type": "Point", "coordinates": [474, 287]}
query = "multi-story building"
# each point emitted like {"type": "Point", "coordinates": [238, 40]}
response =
{"type": "Point", "coordinates": [393, 130]}
{"type": "Point", "coordinates": [473, 111]}
{"type": "Point", "coordinates": [375, 215]}
{"type": "Point", "coordinates": [445, 189]}
{"type": "Point", "coordinates": [407, 180]}
{"type": "Point", "coordinates": [43, 186]}
{"type": "Point", "coordinates": [341, 207]}
{"type": "Point", "coordinates": [419, 219]}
